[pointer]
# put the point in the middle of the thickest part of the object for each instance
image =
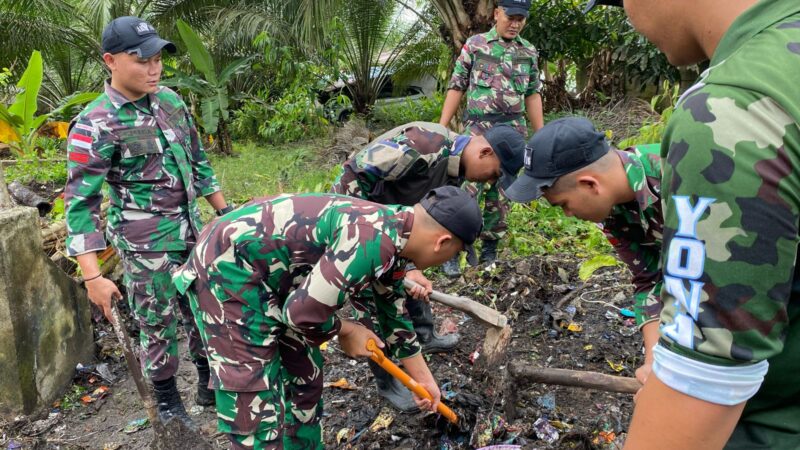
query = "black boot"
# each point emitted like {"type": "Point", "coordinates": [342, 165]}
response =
{"type": "Point", "coordinates": [392, 390]}
{"type": "Point", "coordinates": [170, 406]}
{"type": "Point", "coordinates": [452, 267]}
{"type": "Point", "coordinates": [488, 252]}
{"type": "Point", "coordinates": [205, 396]}
{"type": "Point", "coordinates": [422, 318]}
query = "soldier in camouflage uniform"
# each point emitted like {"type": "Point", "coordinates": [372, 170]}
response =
{"type": "Point", "coordinates": [499, 72]}
{"type": "Point", "coordinates": [265, 282]}
{"type": "Point", "coordinates": [729, 351]}
{"type": "Point", "coordinates": [570, 163]}
{"type": "Point", "coordinates": [139, 138]}
{"type": "Point", "coordinates": [401, 166]}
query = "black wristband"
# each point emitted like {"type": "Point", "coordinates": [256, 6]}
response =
{"type": "Point", "coordinates": [225, 210]}
{"type": "Point", "coordinates": [94, 277]}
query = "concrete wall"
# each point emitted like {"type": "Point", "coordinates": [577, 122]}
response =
{"type": "Point", "coordinates": [45, 319]}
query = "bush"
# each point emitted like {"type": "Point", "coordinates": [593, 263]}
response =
{"type": "Point", "coordinates": [29, 168]}
{"type": "Point", "coordinates": [427, 109]}
{"type": "Point", "coordinates": [652, 131]}
{"type": "Point", "coordinates": [295, 115]}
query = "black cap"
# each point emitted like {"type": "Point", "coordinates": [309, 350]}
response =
{"type": "Point", "coordinates": [515, 7]}
{"type": "Point", "coordinates": [456, 210]}
{"type": "Point", "coordinates": [133, 35]}
{"type": "Point", "coordinates": [592, 3]}
{"type": "Point", "coordinates": [558, 148]}
{"type": "Point", "coordinates": [509, 146]}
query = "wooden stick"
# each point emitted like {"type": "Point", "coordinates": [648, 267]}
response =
{"type": "Point", "coordinates": [482, 313]}
{"type": "Point", "coordinates": [575, 378]}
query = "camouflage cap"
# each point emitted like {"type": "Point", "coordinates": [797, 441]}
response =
{"type": "Point", "coordinates": [133, 35]}
{"type": "Point", "coordinates": [592, 3]}
{"type": "Point", "coordinates": [456, 210]}
{"type": "Point", "coordinates": [509, 146]}
{"type": "Point", "coordinates": [558, 148]}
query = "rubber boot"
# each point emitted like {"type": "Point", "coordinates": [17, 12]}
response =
{"type": "Point", "coordinates": [488, 252]}
{"type": "Point", "coordinates": [170, 406]}
{"type": "Point", "coordinates": [392, 390]}
{"type": "Point", "coordinates": [422, 318]}
{"type": "Point", "coordinates": [452, 267]}
{"type": "Point", "coordinates": [205, 396]}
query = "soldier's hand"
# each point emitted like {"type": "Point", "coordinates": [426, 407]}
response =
{"type": "Point", "coordinates": [423, 288]}
{"type": "Point", "coordinates": [353, 339]}
{"type": "Point", "coordinates": [102, 292]}
{"type": "Point", "coordinates": [642, 373]}
{"type": "Point", "coordinates": [433, 389]}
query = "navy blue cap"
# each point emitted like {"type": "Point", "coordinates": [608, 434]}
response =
{"type": "Point", "coordinates": [456, 210]}
{"type": "Point", "coordinates": [509, 146]}
{"type": "Point", "coordinates": [133, 35]}
{"type": "Point", "coordinates": [558, 148]}
{"type": "Point", "coordinates": [592, 3]}
{"type": "Point", "coordinates": [515, 7]}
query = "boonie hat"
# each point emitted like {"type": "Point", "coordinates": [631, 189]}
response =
{"type": "Point", "coordinates": [515, 7]}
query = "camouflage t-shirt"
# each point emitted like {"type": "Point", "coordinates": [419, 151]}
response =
{"type": "Point", "coordinates": [150, 154]}
{"type": "Point", "coordinates": [731, 153]}
{"type": "Point", "coordinates": [497, 76]}
{"type": "Point", "coordinates": [635, 228]}
{"type": "Point", "coordinates": [403, 164]}
{"type": "Point", "coordinates": [314, 252]}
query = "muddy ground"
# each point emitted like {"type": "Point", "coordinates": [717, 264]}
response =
{"type": "Point", "coordinates": [542, 417]}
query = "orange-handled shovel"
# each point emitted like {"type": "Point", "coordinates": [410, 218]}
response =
{"type": "Point", "coordinates": [410, 383]}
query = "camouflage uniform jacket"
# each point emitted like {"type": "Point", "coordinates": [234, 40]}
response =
{"type": "Point", "coordinates": [635, 229]}
{"type": "Point", "coordinates": [153, 161]}
{"type": "Point", "coordinates": [314, 251]}
{"type": "Point", "coordinates": [403, 164]}
{"type": "Point", "coordinates": [731, 155]}
{"type": "Point", "coordinates": [497, 75]}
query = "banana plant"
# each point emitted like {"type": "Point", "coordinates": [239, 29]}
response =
{"type": "Point", "coordinates": [210, 85]}
{"type": "Point", "coordinates": [19, 123]}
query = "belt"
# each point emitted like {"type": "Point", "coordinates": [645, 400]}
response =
{"type": "Point", "coordinates": [492, 118]}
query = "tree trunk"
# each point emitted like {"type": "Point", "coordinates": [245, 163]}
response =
{"type": "Point", "coordinates": [463, 18]}
{"type": "Point", "coordinates": [225, 143]}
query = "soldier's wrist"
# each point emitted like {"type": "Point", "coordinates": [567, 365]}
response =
{"type": "Point", "coordinates": [92, 278]}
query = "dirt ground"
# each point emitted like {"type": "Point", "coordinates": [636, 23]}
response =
{"type": "Point", "coordinates": [601, 339]}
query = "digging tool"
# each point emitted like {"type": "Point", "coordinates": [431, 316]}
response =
{"type": "Point", "coordinates": [410, 383]}
{"type": "Point", "coordinates": [498, 333]}
{"type": "Point", "coordinates": [166, 436]}
{"type": "Point", "coordinates": [575, 378]}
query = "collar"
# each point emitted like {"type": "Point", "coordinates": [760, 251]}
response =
{"type": "Point", "coordinates": [757, 18]}
{"type": "Point", "coordinates": [119, 100]}
{"type": "Point", "coordinates": [492, 35]}
{"type": "Point", "coordinates": [454, 158]}
{"type": "Point", "coordinates": [637, 180]}
{"type": "Point", "coordinates": [406, 216]}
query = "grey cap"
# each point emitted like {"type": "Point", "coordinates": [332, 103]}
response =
{"type": "Point", "coordinates": [456, 210]}
{"type": "Point", "coordinates": [509, 146]}
{"type": "Point", "coordinates": [133, 35]}
{"type": "Point", "coordinates": [558, 148]}
{"type": "Point", "coordinates": [592, 3]}
{"type": "Point", "coordinates": [515, 7]}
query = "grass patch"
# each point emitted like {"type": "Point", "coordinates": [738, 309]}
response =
{"type": "Point", "coordinates": [256, 171]}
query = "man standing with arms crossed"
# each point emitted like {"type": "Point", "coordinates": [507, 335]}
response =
{"type": "Point", "coordinates": [725, 370]}
{"type": "Point", "coordinates": [140, 139]}
{"type": "Point", "coordinates": [499, 72]}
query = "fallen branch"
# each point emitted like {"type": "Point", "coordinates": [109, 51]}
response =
{"type": "Point", "coordinates": [574, 378]}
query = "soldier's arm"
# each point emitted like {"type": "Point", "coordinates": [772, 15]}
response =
{"type": "Point", "coordinates": [88, 163]}
{"type": "Point", "coordinates": [533, 97]}
{"type": "Point", "coordinates": [348, 183]}
{"type": "Point", "coordinates": [358, 255]}
{"type": "Point", "coordinates": [205, 182]}
{"type": "Point", "coordinates": [730, 245]}
{"type": "Point", "coordinates": [459, 82]}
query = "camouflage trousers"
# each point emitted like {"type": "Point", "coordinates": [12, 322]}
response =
{"type": "Point", "coordinates": [495, 209]}
{"type": "Point", "coordinates": [267, 380]}
{"type": "Point", "coordinates": [154, 301]}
